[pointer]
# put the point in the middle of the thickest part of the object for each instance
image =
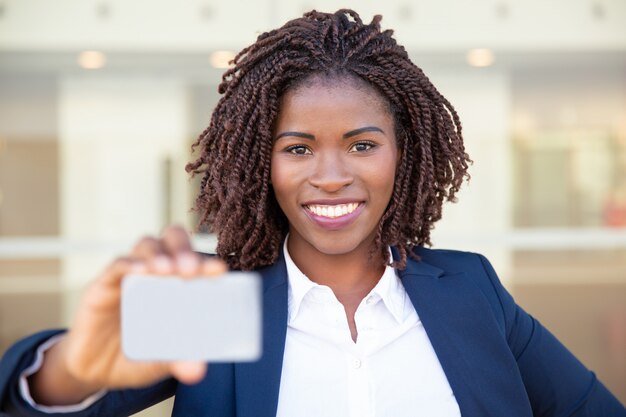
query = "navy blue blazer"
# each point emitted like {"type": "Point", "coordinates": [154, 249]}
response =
{"type": "Point", "coordinates": [498, 359]}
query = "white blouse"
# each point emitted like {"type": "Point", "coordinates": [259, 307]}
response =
{"type": "Point", "coordinates": [391, 370]}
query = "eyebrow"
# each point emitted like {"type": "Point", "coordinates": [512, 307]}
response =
{"type": "Point", "coordinates": [345, 135]}
{"type": "Point", "coordinates": [296, 134]}
{"type": "Point", "coordinates": [362, 130]}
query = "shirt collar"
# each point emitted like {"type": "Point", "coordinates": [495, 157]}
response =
{"type": "Point", "coordinates": [299, 284]}
{"type": "Point", "coordinates": [389, 289]}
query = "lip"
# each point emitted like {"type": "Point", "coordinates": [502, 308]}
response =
{"type": "Point", "coordinates": [332, 201]}
{"type": "Point", "coordinates": [334, 223]}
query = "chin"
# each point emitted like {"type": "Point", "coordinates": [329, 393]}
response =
{"type": "Point", "coordinates": [335, 245]}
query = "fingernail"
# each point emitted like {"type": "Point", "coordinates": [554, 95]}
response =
{"type": "Point", "coordinates": [187, 263]}
{"type": "Point", "coordinates": [162, 264]}
{"type": "Point", "coordinates": [138, 268]}
{"type": "Point", "coordinates": [214, 266]}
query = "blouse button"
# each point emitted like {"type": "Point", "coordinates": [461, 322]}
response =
{"type": "Point", "coordinates": [356, 364]}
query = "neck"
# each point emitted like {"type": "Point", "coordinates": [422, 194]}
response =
{"type": "Point", "coordinates": [350, 275]}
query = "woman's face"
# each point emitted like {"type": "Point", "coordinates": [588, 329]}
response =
{"type": "Point", "coordinates": [333, 165]}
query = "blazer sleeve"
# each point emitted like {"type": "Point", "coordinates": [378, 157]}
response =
{"type": "Point", "coordinates": [114, 403]}
{"type": "Point", "coordinates": [557, 383]}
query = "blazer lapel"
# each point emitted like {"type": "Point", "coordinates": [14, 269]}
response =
{"type": "Point", "coordinates": [467, 340]}
{"type": "Point", "coordinates": [257, 383]}
{"type": "Point", "coordinates": [459, 322]}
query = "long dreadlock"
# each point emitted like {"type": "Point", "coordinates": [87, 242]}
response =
{"type": "Point", "coordinates": [236, 199]}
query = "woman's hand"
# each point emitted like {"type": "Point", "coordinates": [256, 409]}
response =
{"type": "Point", "coordinates": [90, 358]}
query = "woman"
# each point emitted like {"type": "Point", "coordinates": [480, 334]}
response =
{"type": "Point", "coordinates": [325, 166]}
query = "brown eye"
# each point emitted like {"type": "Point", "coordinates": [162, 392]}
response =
{"type": "Point", "coordinates": [298, 150]}
{"type": "Point", "coordinates": [362, 147]}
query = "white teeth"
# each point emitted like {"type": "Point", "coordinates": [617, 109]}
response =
{"type": "Point", "coordinates": [333, 211]}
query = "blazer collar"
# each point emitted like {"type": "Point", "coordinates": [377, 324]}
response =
{"type": "Point", "coordinates": [477, 363]}
{"type": "Point", "coordinates": [414, 267]}
{"type": "Point", "coordinates": [461, 327]}
{"type": "Point", "coordinates": [257, 383]}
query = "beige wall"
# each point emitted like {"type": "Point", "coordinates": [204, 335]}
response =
{"type": "Point", "coordinates": [84, 154]}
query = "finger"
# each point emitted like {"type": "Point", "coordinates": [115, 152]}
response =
{"type": "Point", "coordinates": [214, 266]}
{"type": "Point", "coordinates": [176, 240]}
{"type": "Point", "coordinates": [122, 266]}
{"type": "Point", "coordinates": [148, 247]}
{"type": "Point", "coordinates": [177, 243]}
{"type": "Point", "coordinates": [152, 251]}
{"type": "Point", "coordinates": [188, 372]}
{"type": "Point", "coordinates": [188, 264]}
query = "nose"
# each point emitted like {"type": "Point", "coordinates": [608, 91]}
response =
{"type": "Point", "coordinates": [330, 173]}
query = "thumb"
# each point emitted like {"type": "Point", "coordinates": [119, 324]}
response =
{"type": "Point", "coordinates": [188, 372]}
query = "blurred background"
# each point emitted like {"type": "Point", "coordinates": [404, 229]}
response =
{"type": "Point", "coordinates": [101, 99]}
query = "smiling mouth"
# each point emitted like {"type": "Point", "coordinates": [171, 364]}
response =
{"type": "Point", "coordinates": [332, 211]}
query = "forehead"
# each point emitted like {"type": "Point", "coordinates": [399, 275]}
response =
{"type": "Point", "coordinates": [338, 83]}
{"type": "Point", "coordinates": [339, 93]}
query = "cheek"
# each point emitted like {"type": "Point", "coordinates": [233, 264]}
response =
{"type": "Point", "coordinates": [385, 176]}
{"type": "Point", "coordinates": [385, 182]}
{"type": "Point", "coordinates": [280, 177]}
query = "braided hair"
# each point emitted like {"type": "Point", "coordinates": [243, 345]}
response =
{"type": "Point", "coordinates": [236, 199]}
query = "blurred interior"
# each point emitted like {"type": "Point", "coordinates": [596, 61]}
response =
{"type": "Point", "coordinates": [99, 105]}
